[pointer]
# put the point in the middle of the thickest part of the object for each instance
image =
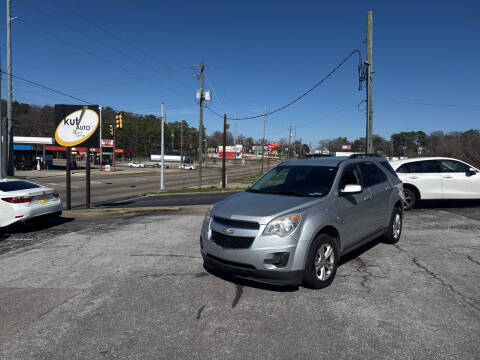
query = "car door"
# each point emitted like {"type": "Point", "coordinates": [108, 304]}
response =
{"type": "Point", "coordinates": [354, 209]}
{"type": "Point", "coordinates": [457, 180]}
{"type": "Point", "coordinates": [381, 191]}
{"type": "Point", "coordinates": [424, 175]}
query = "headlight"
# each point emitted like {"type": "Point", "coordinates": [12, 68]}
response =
{"type": "Point", "coordinates": [283, 225]}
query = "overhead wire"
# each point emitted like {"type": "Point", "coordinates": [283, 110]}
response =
{"type": "Point", "coordinates": [70, 27]}
{"type": "Point", "coordinates": [302, 95]}
{"type": "Point", "coordinates": [101, 58]}
{"type": "Point", "coordinates": [118, 37]}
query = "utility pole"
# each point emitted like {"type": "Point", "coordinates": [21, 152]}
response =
{"type": "Point", "coordinates": [181, 142]}
{"type": "Point", "coordinates": [289, 141]}
{"type": "Point", "coordinates": [10, 170]}
{"type": "Point", "coordinates": [162, 187]}
{"type": "Point", "coordinates": [264, 128]}
{"type": "Point", "coordinates": [369, 137]}
{"type": "Point", "coordinates": [224, 171]}
{"type": "Point", "coordinates": [295, 142]}
{"type": "Point", "coordinates": [200, 128]}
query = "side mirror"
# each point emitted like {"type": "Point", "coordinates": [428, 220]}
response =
{"type": "Point", "coordinates": [471, 171]}
{"type": "Point", "coordinates": [351, 189]}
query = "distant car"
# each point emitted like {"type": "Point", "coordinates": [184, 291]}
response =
{"type": "Point", "coordinates": [136, 164]}
{"type": "Point", "coordinates": [437, 178]}
{"type": "Point", "coordinates": [165, 166]}
{"type": "Point", "coordinates": [187, 166]}
{"type": "Point", "coordinates": [22, 200]}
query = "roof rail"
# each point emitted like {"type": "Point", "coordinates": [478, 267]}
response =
{"type": "Point", "coordinates": [354, 156]}
{"type": "Point", "coordinates": [317, 155]}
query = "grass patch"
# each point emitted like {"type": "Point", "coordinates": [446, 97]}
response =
{"type": "Point", "coordinates": [193, 190]}
{"type": "Point", "coordinates": [245, 180]}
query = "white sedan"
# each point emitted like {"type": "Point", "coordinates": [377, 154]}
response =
{"type": "Point", "coordinates": [136, 164]}
{"type": "Point", "coordinates": [437, 178]}
{"type": "Point", "coordinates": [22, 200]}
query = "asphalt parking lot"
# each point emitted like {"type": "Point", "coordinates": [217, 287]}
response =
{"type": "Point", "coordinates": [135, 288]}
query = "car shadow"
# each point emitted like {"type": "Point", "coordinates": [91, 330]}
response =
{"type": "Point", "coordinates": [431, 204]}
{"type": "Point", "coordinates": [34, 225]}
{"type": "Point", "coordinates": [352, 255]}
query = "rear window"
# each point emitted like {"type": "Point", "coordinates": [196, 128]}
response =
{"type": "Point", "coordinates": [422, 167]}
{"type": "Point", "coordinates": [16, 185]}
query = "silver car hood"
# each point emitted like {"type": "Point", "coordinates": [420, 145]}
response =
{"type": "Point", "coordinates": [260, 207]}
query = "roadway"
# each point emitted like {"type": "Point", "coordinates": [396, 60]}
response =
{"type": "Point", "coordinates": [108, 188]}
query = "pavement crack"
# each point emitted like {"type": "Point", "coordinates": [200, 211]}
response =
{"type": "Point", "coordinates": [199, 312]}
{"type": "Point", "coordinates": [368, 275]}
{"type": "Point", "coordinates": [469, 257]}
{"type": "Point", "coordinates": [159, 275]}
{"type": "Point", "coordinates": [238, 295]}
{"type": "Point", "coordinates": [473, 303]}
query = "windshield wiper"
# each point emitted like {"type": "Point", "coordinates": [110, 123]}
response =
{"type": "Point", "coordinates": [252, 190]}
{"type": "Point", "coordinates": [285, 192]}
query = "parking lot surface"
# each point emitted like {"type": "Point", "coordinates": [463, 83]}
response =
{"type": "Point", "coordinates": [136, 289]}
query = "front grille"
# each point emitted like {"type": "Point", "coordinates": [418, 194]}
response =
{"type": "Point", "coordinates": [241, 224]}
{"type": "Point", "coordinates": [232, 242]}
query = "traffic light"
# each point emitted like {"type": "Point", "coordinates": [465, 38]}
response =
{"type": "Point", "coordinates": [111, 129]}
{"type": "Point", "coordinates": [119, 120]}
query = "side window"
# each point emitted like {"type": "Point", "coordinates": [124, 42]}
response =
{"type": "Point", "coordinates": [424, 167]}
{"type": "Point", "coordinates": [453, 166]}
{"type": "Point", "coordinates": [351, 176]}
{"type": "Point", "coordinates": [372, 174]}
{"type": "Point", "coordinates": [404, 169]}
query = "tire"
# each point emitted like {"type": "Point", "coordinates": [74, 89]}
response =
{"type": "Point", "coordinates": [394, 231]}
{"type": "Point", "coordinates": [410, 199]}
{"type": "Point", "coordinates": [312, 278]}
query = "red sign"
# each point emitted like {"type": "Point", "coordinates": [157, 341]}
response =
{"type": "Point", "coordinates": [108, 142]}
{"type": "Point", "coordinates": [273, 145]}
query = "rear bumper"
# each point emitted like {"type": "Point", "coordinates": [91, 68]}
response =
{"type": "Point", "coordinates": [246, 272]}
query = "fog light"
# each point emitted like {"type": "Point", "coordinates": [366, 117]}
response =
{"type": "Point", "coordinates": [279, 259]}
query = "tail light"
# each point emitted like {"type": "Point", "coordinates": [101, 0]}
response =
{"type": "Point", "coordinates": [56, 194]}
{"type": "Point", "coordinates": [18, 199]}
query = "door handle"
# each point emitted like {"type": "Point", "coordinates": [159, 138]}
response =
{"type": "Point", "coordinates": [388, 188]}
{"type": "Point", "coordinates": [366, 198]}
{"type": "Point", "coordinates": [413, 177]}
{"type": "Point", "coordinates": [447, 176]}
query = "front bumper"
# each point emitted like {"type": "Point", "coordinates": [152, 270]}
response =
{"type": "Point", "coordinates": [215, 264]}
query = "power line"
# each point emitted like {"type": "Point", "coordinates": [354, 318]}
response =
{"type": "Point", "coordinates": [68, 26]}
{"type": "Point", "coordinates": [117, 37]}
{"type": "Point", "coordinates": [304, 94]}
{"type": "Point", "coordinates": [101, 58]}
{"type": "Point", "coordinates": [47, 88]}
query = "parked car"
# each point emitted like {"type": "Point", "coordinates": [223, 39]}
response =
{"type": "Point", "coordinates": [159, 165]}
{"type": "Point", "coordinates": [22, 200]}
{"type": "Point", "coordinates": [187, 166]}
{"type": "Point", "coordinates": [293, 224]}
{"type": "Point", "coordinates": [437, 178]}
{"type": "Point", "coordinates": [136, 164]}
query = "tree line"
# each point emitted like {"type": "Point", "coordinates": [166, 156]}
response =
{"type": "Point", "coordinates": [457, 144]}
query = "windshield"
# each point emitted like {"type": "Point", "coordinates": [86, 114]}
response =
{"type": "Point", "coordinates": [296, 181]}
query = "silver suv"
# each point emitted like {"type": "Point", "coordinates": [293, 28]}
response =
{"type": "Point", "coordinates": [293, 224]}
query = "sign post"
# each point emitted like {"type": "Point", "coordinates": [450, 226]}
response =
{"type": "Point", "coordinates": [77, 125]}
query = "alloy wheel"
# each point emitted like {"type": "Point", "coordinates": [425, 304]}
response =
{"type": "Point", "coordinates": [324, 261]}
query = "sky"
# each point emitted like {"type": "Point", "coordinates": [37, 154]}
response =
{"type": "Point", "coordinates": [133, 55]}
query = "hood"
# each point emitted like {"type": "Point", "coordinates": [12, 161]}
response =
{"type": "Point", "coordinates": [260, 207]}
